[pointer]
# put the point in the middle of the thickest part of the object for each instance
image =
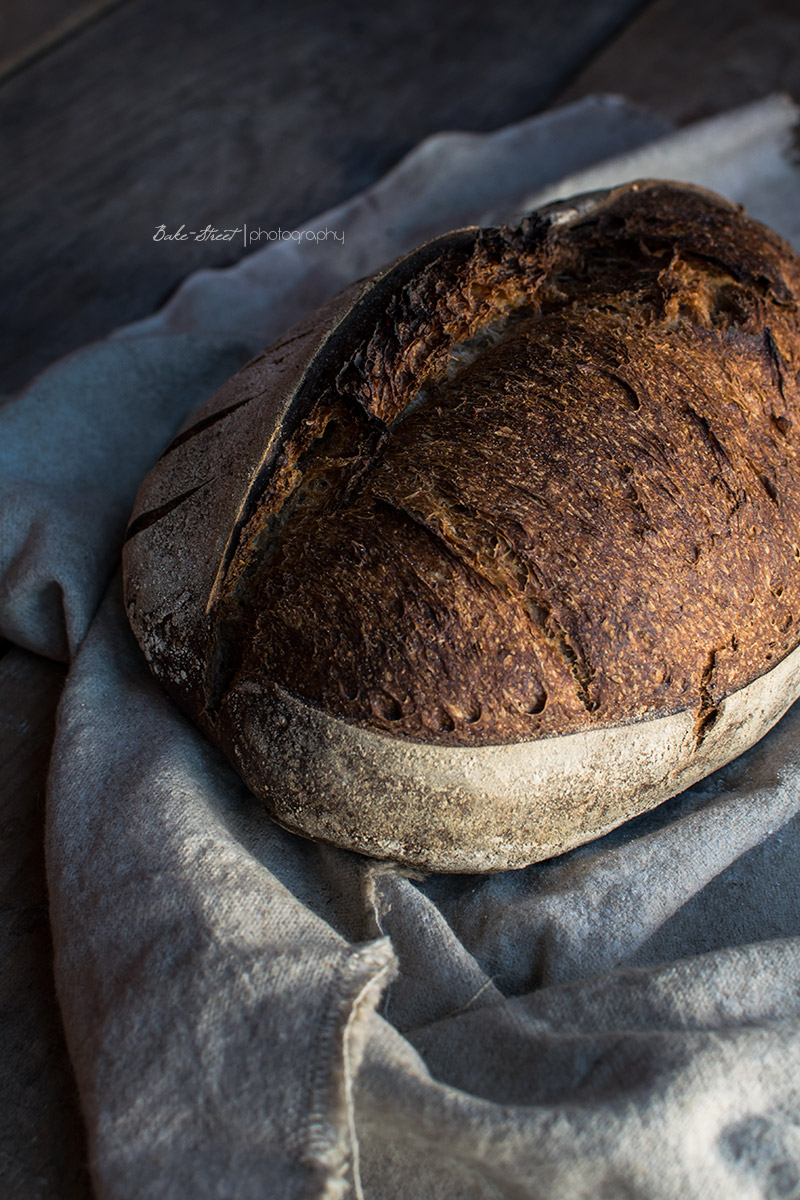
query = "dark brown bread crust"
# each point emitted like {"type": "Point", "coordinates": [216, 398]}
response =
{"type": "Point", "coordinates": [594, 522]}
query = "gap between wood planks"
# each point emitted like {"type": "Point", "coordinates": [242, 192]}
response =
{"type": "Point", "coordinates": [30, 30]}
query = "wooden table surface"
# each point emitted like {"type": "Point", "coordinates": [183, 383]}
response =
{"type": "Point", "coordinates": [119, 115]}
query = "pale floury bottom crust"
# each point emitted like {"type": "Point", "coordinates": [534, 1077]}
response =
{"type": "Point", "coordinates": [491, 808]}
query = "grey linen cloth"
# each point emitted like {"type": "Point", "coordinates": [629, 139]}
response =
{"type": "Point", "coordinates": [250, 1014]}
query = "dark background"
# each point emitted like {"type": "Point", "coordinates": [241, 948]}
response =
{"type": "Point", "coordinates": [119, 115]}
{"type": "Point", "coordinates": [141, 112]}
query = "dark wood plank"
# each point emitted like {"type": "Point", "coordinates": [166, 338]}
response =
{"type": "Point", "coordinates": [201, 112]}
{"type": "Point", "coordinates": [42, 1144]}
{"type": "Point", "coordinates": [29, 28]}
{"type": "Point", "coordinates": [689, 60]}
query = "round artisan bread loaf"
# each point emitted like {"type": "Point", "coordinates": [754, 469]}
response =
{"type": "Point", "coordinates": [501, 547]}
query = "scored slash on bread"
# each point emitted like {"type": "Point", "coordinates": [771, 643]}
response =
{"type": "Point", "coordinates": [500, 547]}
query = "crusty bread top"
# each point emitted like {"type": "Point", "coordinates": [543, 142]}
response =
{"type": "Point", "coordinates": [525, 483]}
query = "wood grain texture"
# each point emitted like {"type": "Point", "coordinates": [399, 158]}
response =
{"type": "Point", "coordinates": [42, 1145]}
{"type": "Point", "coordinates": [29, 28]}
{"type": "Point", "coordinates": [688, 61]}
{"type": "Point", "coordinates": [201, 113]}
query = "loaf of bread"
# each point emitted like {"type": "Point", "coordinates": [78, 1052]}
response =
{"type": "Point", "coordinates": [501, 547]}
